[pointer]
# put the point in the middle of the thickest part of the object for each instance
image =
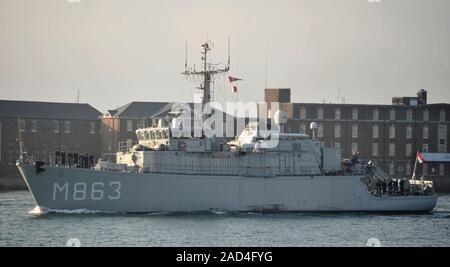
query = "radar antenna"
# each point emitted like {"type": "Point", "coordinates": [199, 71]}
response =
{"type": "Point", "coordinates": [207, 74]}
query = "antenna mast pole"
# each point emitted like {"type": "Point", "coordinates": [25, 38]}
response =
{"type": "Point", "coordinates": [206, 75]}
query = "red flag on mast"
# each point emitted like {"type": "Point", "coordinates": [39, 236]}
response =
{"type": "Point", "coordinates": [420, 157]}
{"type": "Point", "coordinates": [233, 79]}
{"type": "Point", "coordinates": [235, 89]}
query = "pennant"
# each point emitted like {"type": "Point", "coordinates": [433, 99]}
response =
{"type": "Point", "coordinates": [235, 89]}
{"type": "Point", "coordinates": [233, 79]}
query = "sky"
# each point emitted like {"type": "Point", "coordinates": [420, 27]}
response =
{"type": "Point", "coordinates": [118, 51]}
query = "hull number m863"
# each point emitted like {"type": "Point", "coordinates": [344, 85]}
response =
{"type": "Point", "coordinates": [85, 191]}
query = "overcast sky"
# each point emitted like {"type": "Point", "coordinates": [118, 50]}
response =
{"type": "Point", "coordinates": [117, 51]}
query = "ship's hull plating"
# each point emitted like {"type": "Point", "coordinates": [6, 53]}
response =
{"type": "Point", "coordinates": [70, 189]}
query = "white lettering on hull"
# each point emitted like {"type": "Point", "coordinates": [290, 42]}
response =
{"type": "Point", "coordinates": [81, 191]}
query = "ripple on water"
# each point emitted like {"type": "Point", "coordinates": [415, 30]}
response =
{"type": "Point", "coordinates": [24, 226]}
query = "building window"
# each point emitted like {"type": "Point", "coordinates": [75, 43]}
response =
{"type": "Point", "coordinates": [337, 114]}
{"type": "Point", "coordinates": [129, 125]}
{"type": "Point", "coordinates": [303, 113]}
{"type": "Point", "coordinates": [392, 132]}
{"type": "Point", "coordinates": [320, 130]}
{"type": "Point", "coordinates": [354, 131]}
{"type": "Point", "coordinates": [33, 126]}
{"type": "Point", "coordinates": [337, 131]}
{"type": "Point", "coordinates": [392, 115]}
{"type": "Point", "coordinates": [56, 126]}
{"type": "Point", "coordinates": [375, 149]}
{"type": "Point", "coordinates": [376, 114]}
{"type": "Point", "coordinates": [442, 115]}
{"type": "Point", "coordinates": [354, 148]}
{"type": "Point", "coordinates": [21, 125]}
{"type": "Point", "coordinates": [375, 131]}
{"type": "Point", "coordinates": [400, 169]}
{"type": "Point", "coordinates": [441, 169]}
{"type": "Point", "coordinates": [391, 168]}
{"type": "Point", "coordinates": [425, 169]}
{"type": "Point", "coordinates": [425, 148]}
{"type": "Point", "coordinates": [67, 127]}
{"type": "Point", "coordinates": [302, 128]}
{"type": "Point", "coordinates": [408, 168]}
{"type": "Point", "coordinates": [426, 115]}
{"type": "Point", "coordinates": [426, 132]}
{"type": "Point", "coordinates": [337, 145]}
{"type": "Point", "coordinates": [408, 151]}
{"type": "Point", "coordinates": [355, 114]}
{"type": "Point", "coordinates": [320, 114]}
{"type": "Point", "coordinates": [408, 132]}
{"type": "Point", "coordinates": [391, 150]}
{"type": "Point", "coordinates": [409, 115]}
{"type": "Point", "coordinates": [92, 127]}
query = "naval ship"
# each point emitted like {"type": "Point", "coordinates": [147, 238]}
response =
{"type": "Point", "coordinates": [257, 171]}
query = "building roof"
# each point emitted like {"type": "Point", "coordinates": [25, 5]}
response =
{"type": "Point", "coordinates": [137, 110]}
{"type": "Point", "coordinates": [47, 110]}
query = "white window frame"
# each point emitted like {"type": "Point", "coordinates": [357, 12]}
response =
{"type": "Point", "coordinates": [22, 125]}
{"type": "Point", "coordinates": [92, 125]}
{"type": "Point", "coordinates": [320, 130]}
{"type": "Point", "coordinates": [375, 132]}
{"type": "Point", "coordinates": [33, 126]}
{"type": "Point", "coordinates": [376, 114]}
{"type": "Point", "coordinates": [56, 126]}
{"type": "Point", "coordinates": [375, 150]}
{"type": "Point", "coordinates": [354, 148]}
{"type": "Point", "coordinates": [303, 113]}
{"type": "Point", "coordinates": [66, 127]}
{"type": "Point", "coordinates": [425, 169]}
{"type": "Point", "coordinates": [426, 132]}
{"type": "Point", "coordinates": [426, 115]}
{"type": "Point", "coordinates": [391, 168]}
{"type": "Point", "coordinates": [129, 125]}
{"type": "Point", "coordinates": [337, 131]}
{"type": "Point", "coordinates": [354, 131]}
{"type": "Point", "coordinates": [355, 114]}
{"type": "Point", "coordinates": [391, 149]}
{"type": "Point", "coordinates": [392, 115]}
{"type": "Point", "coordinates": [409, 115]}
{"type": "Point", "coordinates": [392, 132]}
{"type": "Point", "coordinates": [320, 113]}
{"type": "Point", "coordinates": [409, 132]}
{"type": "Point", "coordinates": [408, 168]}
{"type": "Point", "coordinates": [303, 128]}
{"type": "Point", "coordinates": [337, 114]}
{"type": "Point", "coordinates": [408, 150]}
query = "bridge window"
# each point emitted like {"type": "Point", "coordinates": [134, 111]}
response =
{"type": "Point", "coordinates": [152, 136]}
{"type": "Point", "coordinates": [158, 135]}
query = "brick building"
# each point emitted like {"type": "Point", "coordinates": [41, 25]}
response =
{"type": "Point", "coordinates": [387, 134]}
{"type": "Point", "coordinates": [45, 127]}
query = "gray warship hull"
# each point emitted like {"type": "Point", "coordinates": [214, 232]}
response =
{"type": "Point", "coordinates": [61, 188]}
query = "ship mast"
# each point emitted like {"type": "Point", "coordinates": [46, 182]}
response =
{"type": "Point", "coordinates": [207, 74]}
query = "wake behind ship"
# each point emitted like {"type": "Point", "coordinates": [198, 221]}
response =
{"type": "Point", "coordinates": [260, 170]}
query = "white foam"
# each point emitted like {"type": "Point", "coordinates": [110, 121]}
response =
{"type": "Point", "coordinates": [42, 210]}
{"type": "Point", "coordinates": [219, 212]}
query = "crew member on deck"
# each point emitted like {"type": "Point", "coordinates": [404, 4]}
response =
{"type": "Point", "coordinates": [63, 158]}
{"type": "Point", "coordinates": [57, 157]}
{"type": "Point", "coordinates": [70, 158]}
{"type": "Point", "coordinates": [75, 159]}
